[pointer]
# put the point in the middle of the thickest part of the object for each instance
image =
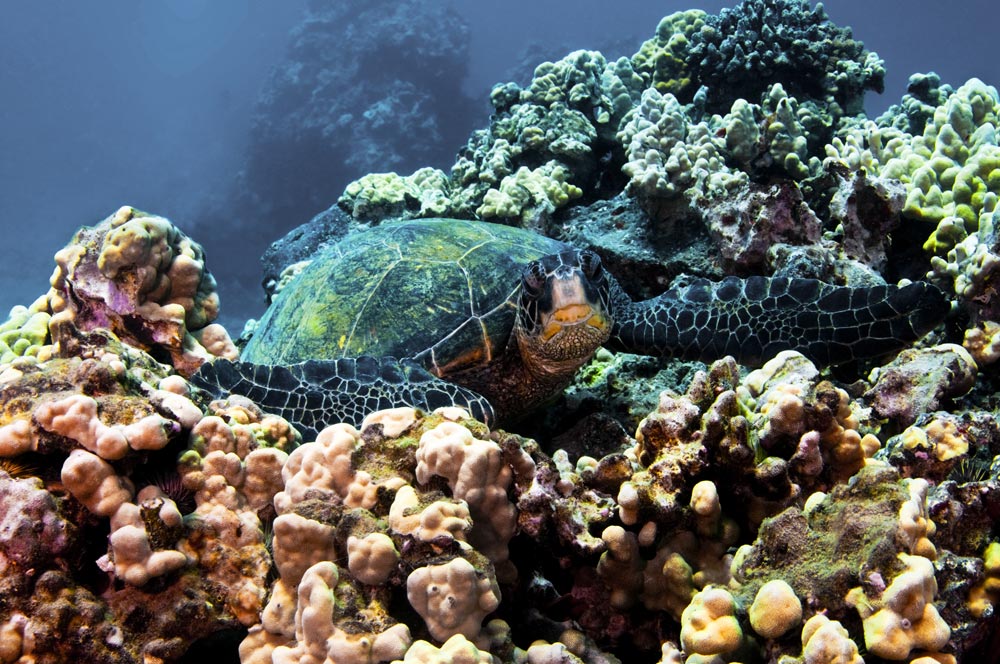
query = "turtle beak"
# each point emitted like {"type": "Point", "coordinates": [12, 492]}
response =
{"type": "Point", "coordinates": [570, 308]}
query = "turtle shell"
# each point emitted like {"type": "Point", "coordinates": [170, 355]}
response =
{"type": "Point", "coordinates": [437, 290]}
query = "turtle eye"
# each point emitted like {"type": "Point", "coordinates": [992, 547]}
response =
{"type": "Point", "coordinates": [533, 279]}
{"type": "Point", "coordinates": [591, 264]}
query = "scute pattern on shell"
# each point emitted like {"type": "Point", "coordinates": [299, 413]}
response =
{"type": "Point", "coordinates": [399, 289]}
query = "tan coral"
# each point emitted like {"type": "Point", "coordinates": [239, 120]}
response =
{"type": "Point", "coordinates": [777, 395]}
{"type": "Point", "coordinates": [326, 467]}
{"type": "Point", "coordinates": [226, 538]}
{"type": "Point", "coordinates": [541, 652]}
{"type": "Point", "coordinates": [440, 518]}
{"type": "Point", "coordinates": [299, 543]}
{"type": "Point", "coordinates": [452, 598]}
{"type": "Point", "coordinates": [709, 625]}
{"type": "Point", "coordinates": [476, 473]}
{"type": "Point", "coordinates": [134, 558]}
{"type": "Point", "coordinates": [76, 417]}
{"type": "Point", "coordinates": [456, 650]}
{"type": "Point", "coordinates": [94, 483]}
{"type": "Point", "coordinates": [12, 638]}
{"type": "Point", "coordinates": [825, 641]}
{"type": "Point", "coordinates": [319, 639]}
{"type": "Point", "coordinates": [394, 421]}
{"type": "Point", "coordinates": [16, 438]}
{"type": "Point", "coordinates": [372, 558]}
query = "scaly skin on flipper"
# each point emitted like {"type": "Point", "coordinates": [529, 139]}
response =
{"type": "Point", "coordinates": [753, 319]}
{"type": "Point", "coordinates": [316, 393]}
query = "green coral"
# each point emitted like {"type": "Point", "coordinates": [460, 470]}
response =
{"type": "Point", "coordinates": [951, 170]}
{"type": "Point", "coordinates": [924, 93]}
{"type": "Point", "coordinates": [530, 195]}
{"type": "Point", "coordinates": [772, 135]}
{"type": "Point", "coordinates": [662, 61]}
{"type": "Point", "coordinates": [585, 81]}
{"type": "Point", "coordinates": [380, 195]}
{"type": "Point", "coordinates": [972, 267]}
{"type": "Point", "coordinates": [575, 80]}
{"type": "Point", "coordinates": [568, 114]}
{"type": "Point", "coordinates": [24, 333]}
{"type": "Point", "coordinates": [741, 51]}
{"type": "Point", "coordinates": [786, 136]}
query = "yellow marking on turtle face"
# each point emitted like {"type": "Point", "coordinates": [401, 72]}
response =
{"type": "Point", "coordinates": [342, 341]}
{"type": "Point", "coordinates": [551, 330]}
{"type": "Point", "coordinates": [572, 313]}
{"type": "Point", "coordinates": [598, 321]}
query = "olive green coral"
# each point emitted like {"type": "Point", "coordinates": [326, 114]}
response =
{"type": "Point", "coordinates": [530, 195]}
{"type": "Point", "coordinates": [24, 333]}
{"type": "Point", "coordinates": [663, 60]}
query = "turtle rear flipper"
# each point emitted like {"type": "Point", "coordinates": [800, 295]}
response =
{"type": "Point", "coordinates": [753, 319]}
{"type": "Point", "coordinates": [317, 393]}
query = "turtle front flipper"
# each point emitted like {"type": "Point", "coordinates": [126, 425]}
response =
{"type": "Point", "coordinates": [753, 319]}
{"type": "Point", "coordinates": [316, 393]}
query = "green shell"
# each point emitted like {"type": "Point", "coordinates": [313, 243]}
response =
{"type": "Point", "coordinates": [400, 290]}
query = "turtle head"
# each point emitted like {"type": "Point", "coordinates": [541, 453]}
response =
{"type": "Point", "coordinates": [564, 312]}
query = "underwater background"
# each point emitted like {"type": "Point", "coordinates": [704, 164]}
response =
{"type": "Point", "coordinates": [162, 503]}
{"type": "Point", "coordinates": [168, 106]}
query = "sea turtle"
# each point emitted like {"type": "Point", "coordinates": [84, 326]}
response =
{"type": "Point", "coordinates": [499, 319]}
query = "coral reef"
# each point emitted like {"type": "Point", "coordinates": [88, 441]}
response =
{"type": "Point", "coordinates": [660, 511]}
{"type": "Point", "coordinates": [741, 50]}
{"type": "Point", "coordinates": [140, 277]}
{"type": "Point", "coordinates": [417, 536]}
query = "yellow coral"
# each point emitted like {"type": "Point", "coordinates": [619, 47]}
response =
{"type": "Point", "coordinates": [948, 442]}
{"type": "Point", "coordinates": [709, 625]}
{"type": "Point", "coordinates": [825, 641]}
{"type": "Point", "coordinates": [987, 593]}
{"type": "Point", "coordinates": [775, 609]}
{"type": "Point", "coordinates": [621, 566]}
{"type": "Point", "coordinates": [915, 523]}
{"type": "Point", "coordinates": [983, 342]}
{"type": "Point", "coordinates": [905, 618]}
